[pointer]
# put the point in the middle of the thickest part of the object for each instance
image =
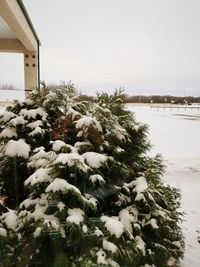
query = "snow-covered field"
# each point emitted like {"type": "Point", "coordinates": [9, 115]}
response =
{"type": "Point", "coordinates": [175, 134]}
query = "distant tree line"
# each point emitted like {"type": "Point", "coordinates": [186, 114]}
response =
{"type": "Point", "coordinates": [7, 86]}
{"type": "Point", "coordinates": [129, 99]}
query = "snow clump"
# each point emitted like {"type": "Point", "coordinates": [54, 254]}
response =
{"type": "Point", "coordinates": [76, 215]}
{"type": "Point", "coordinates": [113, 225]}
{"type": "Point", "coordinates": [17, 148]}
{"type": "Point", "coordinates": [94, 160]}
{"type": "Point", "coordinates": [61, 185]}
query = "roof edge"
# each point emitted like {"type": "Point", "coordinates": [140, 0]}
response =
{"type": "Point", "coordinates": [22, 6]}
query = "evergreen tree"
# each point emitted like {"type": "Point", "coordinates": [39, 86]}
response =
{"type": "Point", "coordinates": [78, 189]}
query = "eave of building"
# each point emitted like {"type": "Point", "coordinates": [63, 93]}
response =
{"type": "Point", "coordinates": [21, 4]}
{"type": "Point", "coordinates": [17, 33]}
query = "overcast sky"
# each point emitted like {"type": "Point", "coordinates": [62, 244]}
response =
{"type": "Point", "coordinates": [147, 46]}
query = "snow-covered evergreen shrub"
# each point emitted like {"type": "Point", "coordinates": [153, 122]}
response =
{"type": "Point", "coordinates": [80, 188]}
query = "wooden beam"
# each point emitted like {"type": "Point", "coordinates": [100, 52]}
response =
{"type": "Point", "coordinates": [11, 45]}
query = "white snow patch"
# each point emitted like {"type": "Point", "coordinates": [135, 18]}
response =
{"type": "Point", "coordinates": [96, 177]}
{"type": "Point", "coordinates": [86, 121]}
{"type": "Point", "coordinates": [128, 217]}
{"type": "Point", "coordinates": [8, 133]}
{"type": "Point", "coordinates": [91, 199]}
{"type": "Point", "coordinates": [107, 245]}
{"type": "Point", "coordinates": [10, 219]}
{"type": "Point", "coordinates": [94, 160]}
{"type": "Point", "coordinates": [140, 186]}
{"type": "Point", "coordinates": [73, 113]}
{"type": "Point", "coordinates": [28, 102]}
{"type": "Point", "coordinates": [37, 232]}
{"type": "Point", "coordinates": [35, 124]}
{"type": "Point", "coordinates": [40, 163]}
{"type": "Point", "coordinates": [77, 145]}
{"type": "Point", "coordinates": [51, 222]}
{"type": "Point", "coordinates": [39, 176]}
{"type": "Point", "coordinates": [61, 185]}
{"type": "Point", "coordinates": [76, 215]}
{"type": "Point", "coordinates": [61, 206]}
{"type": "Point", "coordinates": [41, 205]}
{"type": "Point", "coordinates": [72, 159]}
{"type": "Point", "coordinates": [140, 197]}
{"type": "Point", "coordinates": [84, 228]}
{"type": "Point", "coordinates": [37, 130]}
{"type": "Point", "coordinates": [38, 149]}
{"type": "Point", "coordinates": [153, 223]}
{"type": "Point", "coordinates": [28, 202]}
{"type": "Point", "coordinates": [17, 121]}
{"type": "Point", "coordinates": [57, 145]}
{"type": "Point", "coordinates": [3, 232]}
{"type": "Point", "coordinates": [101, 257]}
{"type": "Point", "coordinates": [62, 233]}
{"type": "Point", "coordinates": [98, 232]}
{"type": "Point", "coordinates": [40, 154]}
{"type": "Point", "coordinates": [68, 158]}
{"type": "Point", "coordinates": [120, 132]}
{"type": "Point", "coordinates": [112, 263]}
{"type": "Point", "coordinates": [17, 148]}
{"type": "Point", "coordinates": [6, 116]}
{"type": "Point", "coordinates": [79, 134]}
{"type": "Point", "coordinates": [38, 213]}
{"type": "Point", "coordinates": [113, 225]}
{"type": "Point", "coordinates": [41, 159]}
{"type": "Point", "coordinates": [140, 244]}
{"type": "Point", "coordinates": [119, 149]}
{"type": "Point", "coordinates": [32, 113]}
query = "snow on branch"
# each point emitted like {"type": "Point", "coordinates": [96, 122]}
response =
{"type": "Point", "coordinates": [17, 149]}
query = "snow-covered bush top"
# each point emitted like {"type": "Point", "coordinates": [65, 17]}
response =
{"type": "Point", "coordinates": [17, 148]}
{"type": "Point", "coordinates": [78, 183]}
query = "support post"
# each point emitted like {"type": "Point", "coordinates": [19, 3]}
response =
{"type": "Point", "coordinates": [30, 71]}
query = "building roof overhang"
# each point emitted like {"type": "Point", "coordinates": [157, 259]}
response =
{"type": "Point", "coordinates": [17, 33]}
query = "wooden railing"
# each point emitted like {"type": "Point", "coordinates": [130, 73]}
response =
{"type": "Point", "coordinates": [178, 107]}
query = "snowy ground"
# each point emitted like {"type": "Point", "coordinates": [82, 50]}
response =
{"type": "Point", "coordinates": [175, 134]}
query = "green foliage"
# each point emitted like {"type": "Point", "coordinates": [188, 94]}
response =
{"type": "Point", "coordinates": [81, 190]}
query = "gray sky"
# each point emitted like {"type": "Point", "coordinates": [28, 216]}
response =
{"type": "Point", "coordinates": [146, 46]}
